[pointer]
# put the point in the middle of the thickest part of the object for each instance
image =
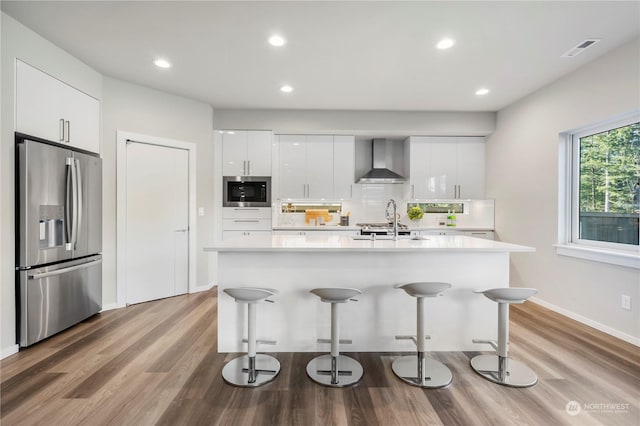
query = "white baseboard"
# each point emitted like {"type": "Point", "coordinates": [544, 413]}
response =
{"type": "Point", "coordinates": [591, 323]}
{"type": "Point", "coordinates": [9, 351]}
{"type": "Point", "coordinates": [110, 306]}
{"type": "Point", "coordinates": [203, 288]}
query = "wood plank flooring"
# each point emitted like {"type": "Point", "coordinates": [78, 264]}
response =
{"type": "Point", "coordinates": [157, 363]}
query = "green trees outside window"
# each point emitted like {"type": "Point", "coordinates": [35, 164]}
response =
{"type": "Point", "coordinates": [609, 186]}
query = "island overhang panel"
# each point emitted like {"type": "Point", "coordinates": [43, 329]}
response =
{"type": "Point", "coordinates": [296, 264]}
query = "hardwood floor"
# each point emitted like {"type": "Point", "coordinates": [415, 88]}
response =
{"type": "Point", "coordinates": [157, 363]}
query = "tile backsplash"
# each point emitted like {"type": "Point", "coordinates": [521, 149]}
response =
{"type": "Point", "coordinates": [369, 202]}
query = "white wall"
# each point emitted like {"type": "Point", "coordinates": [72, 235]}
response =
{"type": "Point", "coordinates": [132, 108]}
{"type": "Point", "coordinates": [20, 42]}
{"type": "Point", "coordinates": [368, 123]}
{"type": "Point", "coordinates": [124, 107]}
{"type": "Point", "coordinates": [522, 176]}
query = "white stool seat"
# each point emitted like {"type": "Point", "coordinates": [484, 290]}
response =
{"type": "Point", "coordinates": [424, 289]}
{"type": "Point", "coordinates": [336, 295]}
{"type": "Point", "coordinates": [250, 294]}
{"type": "Point", "coordinates": [509, 294]}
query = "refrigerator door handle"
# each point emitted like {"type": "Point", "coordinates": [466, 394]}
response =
{"type": "Point", "coordinates": [79, 196]}
{"type": "Point", "coordinates": [64, 270]}
{"type": "Point", "coordinates": [74, 210]}
{"type": "Point", "coordinates": [68, 206]}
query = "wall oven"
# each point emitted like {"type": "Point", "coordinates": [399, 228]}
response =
{"type": "Point", "coordinates": [246, 191]}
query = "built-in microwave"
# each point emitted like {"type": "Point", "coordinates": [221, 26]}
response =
{"type": "Point", "coordinates": [246, 191]}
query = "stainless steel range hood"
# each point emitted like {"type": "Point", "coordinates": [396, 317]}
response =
{"type": "Point", "coordinates": [379, 172]}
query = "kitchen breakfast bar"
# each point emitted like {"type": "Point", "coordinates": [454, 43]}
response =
{"type": "Point", "coordinates": [294, 265]}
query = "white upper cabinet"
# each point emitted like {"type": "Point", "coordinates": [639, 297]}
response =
{"type": "Point", "coordinates": [471, 167]}
{"type": "Point", "coordinates": [316, 166]}
{"type": "Point", "coordinates": [344, 159]}
{"type": "Point", "coordinates": [50, 109]}
{"type": "Point", "coordinates": [246, 153]}
{"type": "Point", "coordinates": [319, 166]}
{"type": "Point", "coordinates": [446, 167]}
{"type": "Point", "coordinates": [293, 166]}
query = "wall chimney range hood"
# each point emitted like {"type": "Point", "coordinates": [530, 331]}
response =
{"type": "Point", "coordinates": [379, 172]}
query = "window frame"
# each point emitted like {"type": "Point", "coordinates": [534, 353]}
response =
{"type": "Point", "coordinates": [569, 242]}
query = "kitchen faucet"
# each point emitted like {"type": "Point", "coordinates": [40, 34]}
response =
{"type": "Point", "coordinates": [392, 202]}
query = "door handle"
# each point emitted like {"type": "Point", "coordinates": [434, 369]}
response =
{"type": "Point", "coordinates": [64, 270]}
{"type": "Point", "coordinates": [181, 230]}
{"type": "Point", "coordinates": [68, 136]}
{"type": "Point", "coordinates": [67, 205]}
{"type": "Point", "coordinates": [61, 130]}
{"type": "Point", "coordinates": [248, 167]}
{"type": "Point", "coordinates": [80, 208]}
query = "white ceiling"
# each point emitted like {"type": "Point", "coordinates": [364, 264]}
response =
{"type": "Point", "coordinates": [340, 55]}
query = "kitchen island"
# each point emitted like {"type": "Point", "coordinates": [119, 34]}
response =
{"type": "Point", "coordinates": [294, 265]}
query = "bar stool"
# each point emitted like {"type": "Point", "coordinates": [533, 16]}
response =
{"type": "Point", "coordinates": [499, 368]}
{"type": "Point", "coordinates": [253, 369]}
{"type": "Point", "coordinates": [418, 370]}
{"type": "Point", "coordinates": [335, 370]}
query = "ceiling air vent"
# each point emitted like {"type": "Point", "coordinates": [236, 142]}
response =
{"type": "Point", "coordinates": [575, 51]}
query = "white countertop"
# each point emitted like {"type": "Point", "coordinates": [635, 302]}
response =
{"type": "Point", "coordinates": [328, 243]}
{"type": "Point", "coordinates": [315, 228]}
{"type": "Point", "coordinates": [357, 228]}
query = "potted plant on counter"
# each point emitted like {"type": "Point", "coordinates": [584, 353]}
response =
{"type": "Point", "coordinates": [415, 213]}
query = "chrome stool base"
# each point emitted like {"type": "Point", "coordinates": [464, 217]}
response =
{"type": "Point", "coordinates": [516, 374]}
{"type": "Point", "coordinates": [434, 373]}
{"type": "Point", "coordinates": [236, 371]}
{"type": "Point", "coordinates": [349, 371]}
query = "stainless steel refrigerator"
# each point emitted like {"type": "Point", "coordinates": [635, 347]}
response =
{"type": "Point", "coordinates": [59, 237]}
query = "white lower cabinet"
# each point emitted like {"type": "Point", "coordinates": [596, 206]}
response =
{"type": "Point", "coordinates": [312, 232]}
{"type": "Point", "coordinates": [439, 232]}
{"type": "Point", "coordinates": [246, 235]}
{"type": "Point", "coordinates": [247, 223]}
{"type": "Point", "coordinates": [487, 235]}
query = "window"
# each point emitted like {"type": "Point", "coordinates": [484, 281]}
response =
{"type": "Point", "coordinates": [600, 210]}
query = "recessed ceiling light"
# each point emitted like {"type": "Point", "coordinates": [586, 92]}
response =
{"type": "Point", "coordinates": [286, 88]}
{"type": "Point", "coordinates": [445, 43]}
{"type": "Point", "coordinates": [162, 63]}
{"type": "Point", "coordinates": [482, 91]}
{"type": "Point", "coordinates": [277, 40]}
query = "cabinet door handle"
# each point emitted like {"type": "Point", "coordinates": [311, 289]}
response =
{"type": "Point", "coordinates": [61, 130]}
{"type": "Point", "coordinates": [68, 138]}
{"type": "Point", "coordinates": [246, 221]}
{"type": "Point", "coordinates": [248, 167]}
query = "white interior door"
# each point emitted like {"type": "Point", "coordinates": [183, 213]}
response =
{"type": "Point", "coordinates": [157, 209]}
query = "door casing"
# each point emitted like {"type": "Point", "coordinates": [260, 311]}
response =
{"type": "Point", "coordinates": [121, 211]}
